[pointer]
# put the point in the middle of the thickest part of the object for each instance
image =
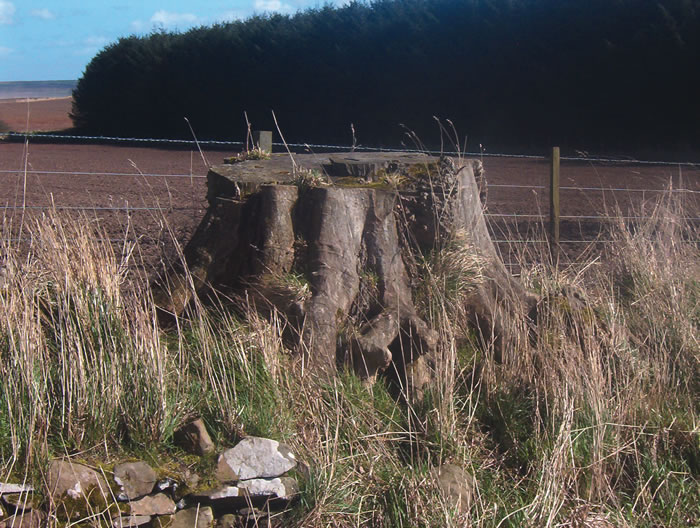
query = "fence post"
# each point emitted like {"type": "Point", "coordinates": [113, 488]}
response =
{"type": "Point", "coordinates": [554, 199]}
{"type": "Point", "coordinates": [263, 140]}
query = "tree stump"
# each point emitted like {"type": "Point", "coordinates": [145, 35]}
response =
{"type": "Point", "coordinates": [329, 246]}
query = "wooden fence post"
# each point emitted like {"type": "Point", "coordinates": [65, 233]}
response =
{"type": "Point", "coordinates": [554, 199]}
{"type": "Point", "coordinates": [263, 140]}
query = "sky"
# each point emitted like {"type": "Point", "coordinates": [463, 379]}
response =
{"type": "Point", "coordinates": [43, 40]}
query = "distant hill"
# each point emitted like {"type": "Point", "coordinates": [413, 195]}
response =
{"type": "Point", "coordinates": [36, 89]}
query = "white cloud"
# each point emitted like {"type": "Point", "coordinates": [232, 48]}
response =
{"type": "Point", "coordinates": [166, 19]}
{"type": "Point", "coordinates": [169, 19]}
{"type": "Point", "coordinates": [138, 25]}
{"type": "Point", "coordinates": [96, 41]}
{"type": "Point", "coordinates": [7, 12]}
{"type": "Point", "coordinates": [91, 45]}
{"type": "Point", "coordinates": [230, 16]}
{"type": "Point", "coordinates": [273, 5]}
{"type": "Point", "coordinates": [43, 13]}
{"type": "Point", "coordinates": [4, 52]}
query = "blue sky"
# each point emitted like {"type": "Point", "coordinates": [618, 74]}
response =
{"type": "Point", "coordinates": [55, 39]}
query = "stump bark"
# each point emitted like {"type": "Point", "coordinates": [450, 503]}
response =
{"type": "Point", "coordinates": [333, 258]}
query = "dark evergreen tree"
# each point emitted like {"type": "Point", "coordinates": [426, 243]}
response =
{"type": "Point", "coordinates": [601, 74]}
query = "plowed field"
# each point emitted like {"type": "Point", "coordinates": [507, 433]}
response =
{"type": "Point", "coordinates": [160, 192]}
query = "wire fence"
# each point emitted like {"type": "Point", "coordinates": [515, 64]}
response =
{"type": "Point", "coordinates": [111, 174]}
{"type": "Point", "coordinates": [360, 148]}
{"type": "Point", "coordinates": [531, 219]}
{"type": "Point", "coordinates": [513, 216]}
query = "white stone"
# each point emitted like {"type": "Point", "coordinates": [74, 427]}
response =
{"type": "Point", "coordinates": [282, 488]}
{"type": "Point", "coordinates": [255, 457]}
{"type": "Point", "coordinates": [14, 488]}
{"type": "Point", "coordinates": [225, 492]}
{"type": "Point", "coordinates": [131, 521]}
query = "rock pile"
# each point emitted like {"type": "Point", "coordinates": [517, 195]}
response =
{"type": "Point", "coordinates": [251, 482]}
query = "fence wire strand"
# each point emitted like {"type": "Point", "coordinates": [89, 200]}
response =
{"type": "Point", "coordinates": [482, 154]}
{"type": "Point", "coordinates": [83, 173]}
{"type": "Point", "coordinates": [92, 208]}
{"type": "Point", "coordinates": [308, 146]}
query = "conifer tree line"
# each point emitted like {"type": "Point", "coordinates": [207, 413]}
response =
{"type": "Point", "coordinates": [515, 74]}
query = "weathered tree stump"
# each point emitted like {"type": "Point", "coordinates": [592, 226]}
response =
{"type": "Point", "coordinates": [333, 257]}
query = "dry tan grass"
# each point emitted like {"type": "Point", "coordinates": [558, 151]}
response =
{"type": "Point", "coordinates": [591, 422]}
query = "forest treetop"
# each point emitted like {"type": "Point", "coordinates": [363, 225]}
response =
{"type": "Point", "coordinates": [518, 74]}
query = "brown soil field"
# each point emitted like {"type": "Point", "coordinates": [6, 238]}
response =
{"type": "Point", "coordinates": [161, 192]}
{"type": "Point", "coordinates": [21, 115]}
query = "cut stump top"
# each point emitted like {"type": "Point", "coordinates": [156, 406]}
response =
{"type": "Point", "coordinates": [245, 177]}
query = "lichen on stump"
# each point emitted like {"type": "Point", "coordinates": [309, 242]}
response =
{"type": "Point", "coordinates": [333, 258]}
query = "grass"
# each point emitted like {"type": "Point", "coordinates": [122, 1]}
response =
{"type": "Point", "coordinates": [593, 424]}
{"type": "Point", "coordinates": [252, 154]}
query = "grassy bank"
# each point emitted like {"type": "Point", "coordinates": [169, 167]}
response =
{"type": "Point", "coordinates": [594, 422]}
